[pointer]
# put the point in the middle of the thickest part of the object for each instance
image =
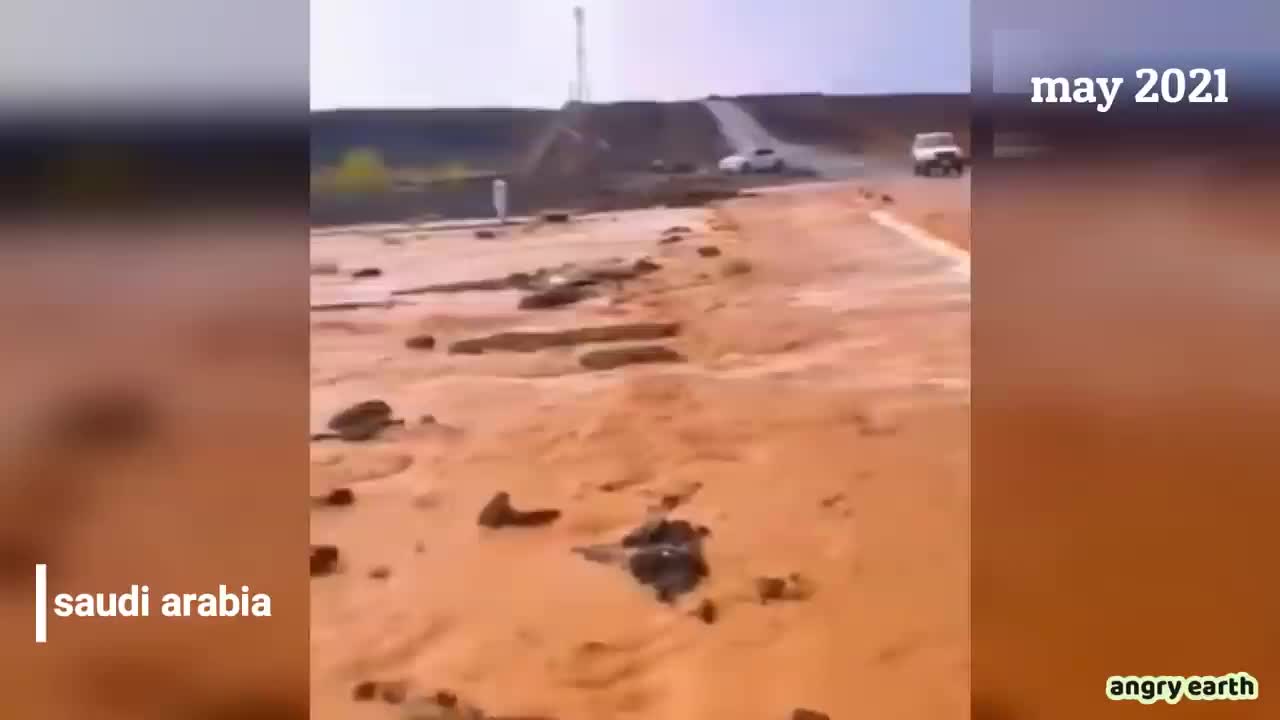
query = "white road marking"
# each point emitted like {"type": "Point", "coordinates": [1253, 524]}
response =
{"type": "Point", "coordinates": [924, 239]}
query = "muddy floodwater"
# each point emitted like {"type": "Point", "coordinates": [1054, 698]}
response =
{"type": "Point", "coordinates": [809, 415]}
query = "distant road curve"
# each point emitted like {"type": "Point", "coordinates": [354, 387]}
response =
{"type": "Point", "coordinates": [744, 134]}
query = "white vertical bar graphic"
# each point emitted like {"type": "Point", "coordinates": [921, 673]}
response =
{"type": "Point", "coordinates": [42, 601]}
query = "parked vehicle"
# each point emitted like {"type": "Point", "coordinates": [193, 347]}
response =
{"type": "Point", "coordinates": [759, 160]}
{"type": "Point", "coordinates": [937, 152]}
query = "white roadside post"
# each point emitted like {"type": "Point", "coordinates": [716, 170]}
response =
{"type": "Point", "coordinates": [500, 200]}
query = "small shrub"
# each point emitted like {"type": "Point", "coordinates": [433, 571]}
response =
{"type": "Point", "coordinates": [362, 171]}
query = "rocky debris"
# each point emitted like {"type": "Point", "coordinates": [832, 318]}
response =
{"type": "Point", "coordinates": [546, 278]}
{"type": "Point", "coordinates": [364, 691]}
{"type": "Point", "coordinates": [485, 235]}
{"type": "Point", "coordinates": [362, 421]}
{"type": "Point", "coordinates": [663, 554]}
{"type": "Point", "coordinates": [706, 612]}
{"type": "Point", "coordinates": [499, 513]}
{"type": "Point", "coordinates": [709, 251]}
{"type": "Point", "coordinates": [553, 298]}
{"type": "Point", "coordinates": [792, 587]}
{"type": "Point", "coordinates": [392, 692]}
{"type": "Point", "coordinates": [428, 419]}
{"type": "Point", "coordinates": [361, 412]}
{"type": "Point", "coordinates": [644, 266]}
{"type": "Point", "coordinates": [324, 268]}
{"type": "Point", "coordinates": [324, 560]}
{"type": "Point", "coordinates": [555, 216]}
{"type": "Point", "coordinates": [534, 341]}
{"type": "Point", "coordinates": [736, 266]}
{"type": "Point", "coordinates": [380, 572]}
{"type": "Point", "coordinates": [677, 230]}
{"type": "Point", "coordinates": [617, 357]}
{"type": "Point", "coordinates": [486, 284]}
{"type": "Point", "coordinates": [770, 588]}
{"type": "Point", "coordinates": [886, 198]}
{"type": "Point", "coordinates": [421, 342]}
{"type": "Point", "coordinates": [671, 239]}
{"type": "Point", "coordinates": [369, 272]}
{"type": "Point", "coordinates": [803, 714]}
{"type": "Point", "coordinates": [442, 705]}
{"type": "Point", "coordinates": [695, 198]}
{"type": "Point", "coordinates": [338, 497]}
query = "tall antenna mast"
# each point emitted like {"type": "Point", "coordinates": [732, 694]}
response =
{"type": "Point", "coordinates": [581, 90]}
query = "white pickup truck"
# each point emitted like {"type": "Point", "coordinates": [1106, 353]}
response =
{"type": "Point", "coordinates": [937, 151]}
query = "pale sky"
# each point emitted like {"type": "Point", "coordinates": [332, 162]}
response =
{"type": "Point", "coordinates": [459, 53]}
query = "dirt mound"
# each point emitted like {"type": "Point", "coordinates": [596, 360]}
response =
{"type": "Point", "coordinates": [859, 123]}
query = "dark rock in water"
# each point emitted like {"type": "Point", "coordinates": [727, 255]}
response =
{"type": "Point", "coordinates": [485, 234]}
{"type": "Point", "coordinates": [380, 572]}
{"type": "Point", "coordinates": [616, 358]}
{"type": "Point", "coordinates": [709, 251]}
{"type": "Point", "coordinates": [667, 555]}
{"type": "Point", "coordinates": [367, 273]}
{"type": "Point", "coordinates": [498, 513]}
{"type": "Point", "coordinates": [324, 560]}
{"type": "Point", "coordinates": [362, 421]}
{"type": "Point", "coordinates": [553, 298]}
{"type": "Point", "coordinates": [421, 342]}
{"type": "Point", "coordinates": [706, 612]}
{"type": "Point", "coordinates": [663, 554]}
{"type": "Point", "coordinates": [359, 413]}
{"type": "Point", "coordinates": [392, 692]}
{"type": "Point", "coordinates": [677, 230]}
{"type": "Point", "coordinates": [644, 266]}
{"type": "Point", "coordinates": [803, 714]}
{"type": "Point", "coordinates": [886, 198]}
{"type": "Point", "coordinates": [534, 341]}
{"type": "Point", "coordinates": [671, 239]}
{"type": "Point", "coordinates": [770, 588]}
{"type": "Point", "coordinates": [792, 587]}
{"type": "Point", "coordinates": [339, 497]}
{"type": "Point", "coordinates": [671, 569]}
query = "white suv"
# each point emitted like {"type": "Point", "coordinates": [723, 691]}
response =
{"type": "Point", "coordinates": [761, 160]}
{"type": "Point", "coordinates": [937, 151]}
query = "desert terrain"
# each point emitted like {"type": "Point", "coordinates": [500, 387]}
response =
{"type": "Point", "coordinates": [809, 413]}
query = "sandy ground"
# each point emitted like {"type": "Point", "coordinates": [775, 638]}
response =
{"type": "Point", "coordinates": [820, 427]}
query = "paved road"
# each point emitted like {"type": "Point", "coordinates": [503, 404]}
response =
{"type": "Point", "coordinates": [744, 134]}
